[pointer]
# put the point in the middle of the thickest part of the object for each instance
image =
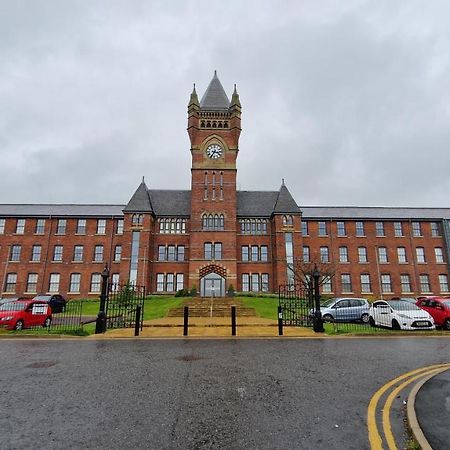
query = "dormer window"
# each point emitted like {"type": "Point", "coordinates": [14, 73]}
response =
{"type": "Point", "coordinates": [287, 221]}
{"type": "Point", "coordinates": [213, 222]}
{"type": "Point", "coordinates": [137, 220]}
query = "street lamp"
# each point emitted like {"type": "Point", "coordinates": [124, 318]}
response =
{"type": "Point", "coordinates": [317, 321]}
{"type": "Point", "coordinates": [100, 325]}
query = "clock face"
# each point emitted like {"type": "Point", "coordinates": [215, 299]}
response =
{"type": "Point", "coordinates": [214, 151]}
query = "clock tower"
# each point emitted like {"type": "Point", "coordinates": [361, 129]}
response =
{"type": "Point", "coordinates": [214, 127]}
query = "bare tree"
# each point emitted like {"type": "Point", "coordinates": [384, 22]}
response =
{"type": "Point", "coordinates": [303, 271]}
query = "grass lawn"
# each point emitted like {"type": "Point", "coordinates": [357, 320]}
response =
{"type": "Point", "coordinates": [264, 307]}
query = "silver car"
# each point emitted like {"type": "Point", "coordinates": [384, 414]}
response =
{"type": "Point", "coordinates": [345, 309]}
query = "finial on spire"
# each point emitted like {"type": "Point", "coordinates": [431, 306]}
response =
{"type": "Point", "coordinates": [215, 73]}
{"type": "Point", "coordinates": [193, 90]}
{"type": "Point", "coordinates": [143, 180]}
{"type": "Point", "coordinates": [282, 182]}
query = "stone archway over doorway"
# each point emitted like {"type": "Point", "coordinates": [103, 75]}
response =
{"type": "Point", "coordinates": [212, 281]}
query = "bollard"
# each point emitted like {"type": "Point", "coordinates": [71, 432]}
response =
{"type": "Point", "coordinates": [137, 324]}
{"type": "Point", "coordinates": [233, 321]}
{"type": "Point", "coordinates": [186, 321]}
{"type": "Point", "coordinates": [280, 321]}
{"type": "Point", "coordinates": [100, 323]}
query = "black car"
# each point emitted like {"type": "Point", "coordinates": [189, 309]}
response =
{"type": "Point", "coordinates": [56, 302]}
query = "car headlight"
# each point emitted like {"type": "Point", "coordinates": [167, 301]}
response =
{"type": "Point", "coordinates": [7, 318]}
{"type": "Point", "coordinates": [404, 316]}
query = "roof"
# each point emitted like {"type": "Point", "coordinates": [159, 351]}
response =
{"type": "Point", "coordinates": [285, 203]}
{"type": "Point", "coordinates": [215, 98]}
{"type": "Point", "coordinates": [140, 201]}
{"type": "Point", "coordinates": [171, 203]}
{"type": "Point", "coordinates": [62, 210]}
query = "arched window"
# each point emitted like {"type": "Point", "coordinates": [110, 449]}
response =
{"type": "Point", "coordinates": [210, 222]}
{"type": "Point", "coordinates": [137, 219]}
{"type": "Point", "coordinates": [221, 222]}
{"type": "Point", "coordinates": [204, 222]}
{"type": "Point", "coordinates": [287, 221]}
{"type": "Point", "coordinates": [216, 222]}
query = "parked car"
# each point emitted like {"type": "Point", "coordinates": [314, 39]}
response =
{"type": "Point", "coordinates": [399, 315]}
{"type": "Point", "coordinates": [57, 302]}
{"type": "Point", "coordinates": [12, 299]}
{"type": "Point", "coordinates": [406, 299]}
{"type": "Point", "coordinates": [345, 309]}
{"type": "Point", "coordinates": [21, 314]}
{"type": "Point", "coordinates": [438, 308]}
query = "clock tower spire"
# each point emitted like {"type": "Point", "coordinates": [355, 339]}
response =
{"type": "Point", "coordinates": [214, 127]}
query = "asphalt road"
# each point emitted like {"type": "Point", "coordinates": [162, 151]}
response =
{"type": "Point", "coordinates": [199, 394]}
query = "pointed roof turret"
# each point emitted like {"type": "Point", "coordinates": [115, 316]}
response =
{"type": "Point", "coordinates": [140, 201]}
{"type": "Point", "coordinates": [285, 203]}
{"type": "Point", "coordinates": [235, 98]}
{"type": "Point", "coordinates": [194, 98]}
{"type": "Point", "coordinates": [215, 98]}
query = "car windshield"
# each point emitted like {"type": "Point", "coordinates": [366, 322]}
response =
{"type": "Point", "coordinates": [13, 306]}
{"type": "Point", "coordinates": [400, 305]}
{"type": "Point", "coordinates": [42, 297]}
{"type": "Point", "coordinates": [328, 302]}
{"type": "Point", "coordinates": [446, 303]}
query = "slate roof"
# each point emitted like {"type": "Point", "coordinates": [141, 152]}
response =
{"type": "Point", "coordinates": [215, 98]}
{"type": "Point", "coordinates": [285, 203]}
{"type": "Point", "coordinates": [171, 203]}
{"type": "Point", "coordinates": [67, 210]}
{"type": "Point", "coordinates": [140, 201]}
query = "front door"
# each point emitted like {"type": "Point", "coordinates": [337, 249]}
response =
{"type": "Point", "coordinates": [212, 285]}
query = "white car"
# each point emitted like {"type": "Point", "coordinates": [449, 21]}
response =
{"type": "Point", "coordinates": [399, 315]}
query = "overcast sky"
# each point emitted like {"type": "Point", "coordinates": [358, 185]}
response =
{"type": "Point", "coordinates": [348, 101]}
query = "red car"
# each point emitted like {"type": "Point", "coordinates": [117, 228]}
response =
{"type": "Point", "coordinates": [25, 314]}
{"type": "Point", "coordinates": [438, 308]}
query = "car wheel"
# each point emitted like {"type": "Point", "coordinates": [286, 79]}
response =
{"type": "Point", "coordinates": [365, 318]}
{"type": "Point", "coordinates": [372, 322]}
{"type": "Point", "coordinates": [447, 324]}
{"type": "Point", "coordinates": [19, 325]}
{"type": "Point", "coordinates": [395, 325]}
{"type": "Point", "coordinates": [328, 318]}
{"type": "Point", "coordinates": [47, 322]}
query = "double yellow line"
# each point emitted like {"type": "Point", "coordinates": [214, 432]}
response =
{"type": "Point", "coordinates": [398, 384]}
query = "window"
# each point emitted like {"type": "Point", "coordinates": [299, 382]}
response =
{"type": "Point", "coordinates": [443, 283]}
{"type": "Point", "coordinates": [323, 229]}
{"type": "Point", "coordinates": [78, 251]}
{"type": "Point", "coordinates": [435, 230]}
{"type": "Point", "coordinates": [346, 282]}
{"type": "Point", "coordinates": [75, 281]}
{"type": "Point", "coordinates": [20, 226]}
{"type": "Point", "coordinates": [398, 229]}
{"type": "Point", "coordinates": [180, 253]}
{"type": "Point", "coordinates": [289, 257]}
{"type": "Point", "coordinates": [245, 282]}
{"type": "Point", "coordinates": [81, 226]}
{"type": "Point", "coordinates": [304, 228]}
{"type": "Point", "coordinates": [340, 228]}
{"type": "Point", "coordinates": [264, 253]}
{"type": "Point", "coordinates": [15, 253]}
{"type": "Point", "coordinates": [382, 255]}
{"type": "Point", "coordinates": [98, 254]}
{"type": "Point", "coordinates": [169, 282]}
{"type": "Point", "coordinates": [343, 254]}
{"type": "Point", "coordinates": [117, 253]}
{"type": "Point", "coordinates": [401, 255]}
{"type": "Point", "coordinates": [265, 282]}
{"type": "Point", "coordinates": [161, 253]}
{"type": "Point", "coordinates": [160, 282]}
{"type": "Point", "coordinates": [255, 282]}
{"type": "Point", "coordinates": [137, 220]}
{"type": "Point", "coordinates": [119, 226]}
{"type": "Point", "coordinates": [180, 281]}
{"type": "Point", "coordinates": [101, 226]}
{"type": "Point", "coordinates": [2, 226]}
{"type": "Point", "coordinates": [324, 256]}
{"type": "Point", "coordinates": [416, 229]}
{"type": "Point", "coordinates": [362, 254]}
{"type": "Point", "coordinates": [218, 250]}
{"type": "Point", "coordinates": [58, 253]}
{"type": "Point", "coordinates": [253, 226]}
{"type": "Point", "coordinates": [424, 283]}
{"type": "Point", "coordinates": [134, 262]}
{"type": "Point", "coordinates": [172, 226]}
{"type": "Point", "coordinates": [53, 285]}
{"type": "Point", "coordinates": [386, 283]}
{"type": "Point", "coordinates": [287, 221]}
{"type": "Point", "coordinates": [420, 253]}
{"type": "Point", "coordinates": [439, 254]}
{"type": "Point", "coordinates": [365, 283]}
{"type": "Point", "coordinates": [61, 226]}
{"type": "Point", "coordinates": [327, 286]}
{"type": "Point", "coordinates": [213, 222]}
{"type": "Point", "coordinates": [171, 253]}
{"type": "Point", "coordinates": [96, 282]}
{"type": "Point", "coordinates": [255, 253]}
{"type": "Point", "coordinates": [40, 226]}
{"type": "Point", "coordinates": [208, 250]}
{"type": "Point", "coordinates": [36, 253]}
{"type": "Point", "coordinates": [10, 283]}
{"type": "Point", "coordinates": [32, 281]}
{"type": "Point", "coordinates": [379, 229]}
{"type": "Point", "coordinates": [405, 283]}
{"type": "Point", "coordinates": [115, 282]}
{"type": "Point", "coordinates": [360, 229]}
{"type": "Point", "coordinates": [306, 257]}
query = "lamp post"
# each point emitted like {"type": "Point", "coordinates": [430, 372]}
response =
{"type": "Point", "coordinates": [317, 322]}
{"type": "Point", "coordinates": [100, 324]}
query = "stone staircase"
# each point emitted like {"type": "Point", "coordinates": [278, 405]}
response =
{"type": "Point", "coordinates": [212, 307]}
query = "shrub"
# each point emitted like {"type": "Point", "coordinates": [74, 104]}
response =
{"type": "Point", "coordinates": [183, 293]}
{"type": "Point", "coordinates": [231, 292]}
{"type": "Point", "coordinates": [193, 291]}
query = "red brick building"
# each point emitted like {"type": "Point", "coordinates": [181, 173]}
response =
{"type": "Point", "coordinates": [213, 236]}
